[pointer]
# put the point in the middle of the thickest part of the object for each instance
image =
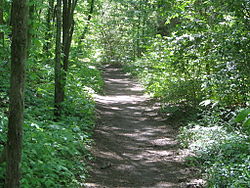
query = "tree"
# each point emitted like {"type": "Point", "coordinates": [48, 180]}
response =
{"type": "Point", "coordinates": [31, 18]}
{"type": "Point", "coordinates": [16, 106]}
{"type": "Point", "coordinates": [91, 10]}
{"type": "Point", "coordinates": [59, 89]}
{"type": "Point", "coordinates": [68, 30]}
{"type": "Point", "coordinates": [62, 68]}
{"type": "Point", "coordinates": [49, 33]}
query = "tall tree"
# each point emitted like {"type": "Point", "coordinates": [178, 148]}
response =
{"type": "Point", "coordinates": [91, 10]}
{"type": "Point", "coordinates": [16, 107]}
{"type": "Point", "coordinates": [59, 89]}
{"type": "Point", "coordinates": [31, 18]}
{"type": "Point", "coordinates": [49, 24]}
{"type": "Point", "coordinates": [68, 29]}
{"type": "Point", "coordinates": [62, 68]}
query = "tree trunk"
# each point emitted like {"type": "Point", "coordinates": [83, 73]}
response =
{"type": "Point", "coordinates": [30, 33]}
{"type": "Point", "coordinates": [62, 68]}
{"type": "Point", "coordinates": [91, 10]}
{"type": "Point", "coordinates": [59, 89]}
{"type": "Point", "coordinates": [16, 107]}
{"type": "Point", "coordinates": [49, 34]}
{"type": "Point", "coordinates": [68, 30]}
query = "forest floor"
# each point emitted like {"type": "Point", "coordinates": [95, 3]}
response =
{"type": "Point", "coordinates": [134, 146]}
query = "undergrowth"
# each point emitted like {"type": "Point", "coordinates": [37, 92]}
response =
{"type": "Point", "coordinates": [177, 72]}
{"type": "Point", "coordinates": [221, 149]}
{"type": "Point", "coordinates": [55, 152]}
{"type": "Point", "coordinates": [217, 133]}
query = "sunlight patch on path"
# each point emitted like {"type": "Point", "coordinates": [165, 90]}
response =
{"type": "Point", "coordinates": [134, 145]}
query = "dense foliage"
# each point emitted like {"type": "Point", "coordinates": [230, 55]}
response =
{"type": "Point", "coordinates": [55, 153]}
{"type": "Point", "coordinates": [220, 149]}
{"type": "Point", "coordinates": [191, 55]}
{"type": "Point", "coordinates": [188, 54]}
{"type": "Point", "coordinates": [55, 150]}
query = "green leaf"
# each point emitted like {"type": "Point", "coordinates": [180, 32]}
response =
{"type": "Point", "coordinates": [242, 115]}
{"type": "Point", "coordinates": [246, 124]}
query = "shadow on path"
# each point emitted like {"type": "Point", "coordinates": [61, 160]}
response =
{"type": "Point", "coordinates": [134, 147]}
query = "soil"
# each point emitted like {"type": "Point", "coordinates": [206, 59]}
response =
{"type": "Point", "coordinates": [134, 146]}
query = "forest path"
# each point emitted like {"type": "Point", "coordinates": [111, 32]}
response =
{"type": "Point", "coordinates": [134, 146]}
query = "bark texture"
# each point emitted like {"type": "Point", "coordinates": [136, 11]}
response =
{"type": "Point", "coordinates": [59, 89]}
{"type": "Point", "coordinates": [66, 25]}
{"type": "Point", "coordinates": [16, 108]}
{"type": "Point", "coordinates": [68, 29]}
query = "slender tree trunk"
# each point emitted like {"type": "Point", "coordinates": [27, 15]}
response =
{"type": "Point", "coordinates": [91, 10]}
{"type": "Point", "coordinates": [48, 35]}
{"type": "Point", "coordinates": [1, 22]}
{"type": "Point", "coordinates": [68, 29]}
{"type": "Point", "coordinates": [16, 107]}
{"type": "Point", "coordinates": [59, 86]}
{"type": "Point", "coordinates": [31, 17]}
{"type": "Point", "coordinates": [62, 68]}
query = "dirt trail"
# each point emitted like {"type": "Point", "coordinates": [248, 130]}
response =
{"type": "Point", "coordinates": [134, 147]}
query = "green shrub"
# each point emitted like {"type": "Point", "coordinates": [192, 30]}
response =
{"type": "Point", "coordinates": [221, 152]}
{"type": "Point", "coordinates": [55, 153]}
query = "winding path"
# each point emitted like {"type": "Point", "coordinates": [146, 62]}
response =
{"type": "Point", "coordinates": [134, 146]}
